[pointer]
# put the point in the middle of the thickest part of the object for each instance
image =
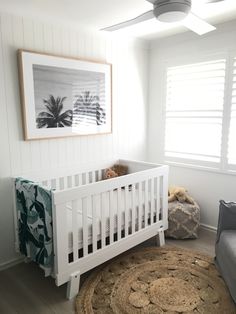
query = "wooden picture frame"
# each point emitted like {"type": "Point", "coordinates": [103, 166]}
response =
{"type": "Point", "coordinates": [64, 96]}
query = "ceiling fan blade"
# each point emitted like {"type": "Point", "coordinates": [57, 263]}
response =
{"type": "Point", "coordinates": [141, 18]}
{"type": "Point", "coordinates": [197, 25]}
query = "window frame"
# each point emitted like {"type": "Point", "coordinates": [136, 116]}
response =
{"type": "Point", "coordinates": [223, 166]}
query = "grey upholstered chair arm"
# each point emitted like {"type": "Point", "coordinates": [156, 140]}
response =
{"type": "Point", "coordinates": [227, 218]}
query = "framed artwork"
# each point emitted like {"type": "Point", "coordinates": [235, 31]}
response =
{"type": "Point", "coordinates": [63, 96]}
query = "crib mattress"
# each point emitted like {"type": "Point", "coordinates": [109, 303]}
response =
{"type": "Point", "coordinates": [106, 215]}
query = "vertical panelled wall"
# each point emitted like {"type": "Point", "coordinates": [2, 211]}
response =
{"type": "Point", "coordinates": [128, 139]}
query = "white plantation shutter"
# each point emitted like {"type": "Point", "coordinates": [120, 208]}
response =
{"type": "Point", "coordinates": [232, 129]}
{"type": "Point", "coordinates": [194, 112]}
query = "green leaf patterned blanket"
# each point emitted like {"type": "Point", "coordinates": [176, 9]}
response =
{"type": "Point", "coordinates": [34, 211]}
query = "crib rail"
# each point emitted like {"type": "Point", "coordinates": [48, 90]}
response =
{"type": "Point", "coordinates": [75, 180]}
{"type": "Point", "coordinates": [115, 212]}
{"type": "Point", "coordinates": [69, 177]}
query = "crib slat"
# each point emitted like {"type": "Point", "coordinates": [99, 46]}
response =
{"type": "Point", "coordinates": [73, 181]}
{"type": "Point", "coordinates": [111, 210]}
{"type": "Point", "coordinates": [57, 183]}
{"type": "Point", "coordinates": [99, 175]}
{"type": "Point", "coordinates": [52, 182]}
{"type": "Point", "coordinates": [146, 203]}
{"type": "Point", "coordinates": [133, 207]}
{"type": "Point", "coordinates": [164, 194]}
{"type": "Point", "coordinates": [152, 199]}
{"type": "Point", "coordinates": [61, 238]}
{"type": "Point", "coordinates": [103, 220]}
{"type": "Point", "coordinates": [80, 179]}
{"type": "Point", "coordinates": [126, 210]}
{"type": "Point", "coordinates": [119, 210]}
{"type": "Point", "coordinates": [45, 183]}
{"type": "Point", "coordinates": [87, 178]}
{"type": "Point", "coordinates": [94, 214]}
{"type": "Point", "coordinates": [75, 204]}
{"type": "Point", "coordinates": [157, 198]}
{"type": "Point", "coordinates": [140, 206]}
{"type": "Point", "coordinates": [68, 182]}
{"type": "Point", "coordinates": [85, 226]}
{"type": "Point", "coordinates": [76, 180]}
{"type": "Point", "coordinates": [62, 183]}
{"type": "Point", "coordinates": [93, 176]}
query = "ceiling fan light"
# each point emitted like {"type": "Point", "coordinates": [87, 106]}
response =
{"type": "Point", "coordinates": [173, 16]}
{"type": "Point", "coordinates": [172, 11]}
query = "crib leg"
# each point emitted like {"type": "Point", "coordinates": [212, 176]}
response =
{"type": "Point", "coordinates": [73, 285]}
{"type": "Point", "coordinates": [160, 238]}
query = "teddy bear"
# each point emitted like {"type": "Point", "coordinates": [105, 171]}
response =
{"type": "Point", "coordinates": [115, 171]}
{"type": "Point", "coordinates": [109, 174]}
{"type": "Point", "coordinates": [121, 170]}
{"type": "Point", "coordinates": [178, 193]}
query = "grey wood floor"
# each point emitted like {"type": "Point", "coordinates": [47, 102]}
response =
{"type": "Point", "coordinates": [24, 290]}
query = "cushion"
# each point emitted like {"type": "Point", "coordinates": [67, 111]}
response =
{"type": "Point", "coordinates": [227, 217]}
{"type": "Point", "coordinates": [184, 220]}
{"type": "Point", "coordinates": [226, 259]}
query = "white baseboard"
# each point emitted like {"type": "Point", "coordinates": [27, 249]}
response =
{"type": "Point", "coordinates": [11, 263]}
{"type": "Point", "coordinates": [208, 227]}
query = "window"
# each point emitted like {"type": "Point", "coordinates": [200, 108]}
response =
{"type": "Point", "coordinates": [200, 120]}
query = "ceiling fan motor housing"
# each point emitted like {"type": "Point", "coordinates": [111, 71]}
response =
{"type": "Point", "coordinates": [171, 10]}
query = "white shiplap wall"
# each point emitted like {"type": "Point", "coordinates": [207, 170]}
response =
{"type": "Point", "coordinates": [130, 66]}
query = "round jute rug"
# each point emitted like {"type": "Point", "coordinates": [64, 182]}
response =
{"type": "Point", "coordinates": [156, 280]}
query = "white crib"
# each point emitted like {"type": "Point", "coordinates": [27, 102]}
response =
{"type": "Point", "coordinates": [94, 220]}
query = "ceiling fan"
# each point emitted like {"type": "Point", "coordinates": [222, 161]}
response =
{"type": "Point", "coordinates": [170, 11]}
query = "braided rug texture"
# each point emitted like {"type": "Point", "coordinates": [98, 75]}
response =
{"type": "Point", "coordinates": [156, 280]}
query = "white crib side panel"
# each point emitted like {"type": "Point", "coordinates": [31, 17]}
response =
{"type": "Point", "coordinates": [138, 197]}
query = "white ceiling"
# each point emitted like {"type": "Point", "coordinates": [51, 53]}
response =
{"type": "Point", "coordinates": [96, 14]}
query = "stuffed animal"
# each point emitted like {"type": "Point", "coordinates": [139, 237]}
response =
{"type": "Point", "coordinates": [115, 171]}
{"type": "Point", "coordinates": [121, 170]}
{"type": "Point", "coordinates": [177, 193]}
{"type": "Point", "coordinates": [109, 174]}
